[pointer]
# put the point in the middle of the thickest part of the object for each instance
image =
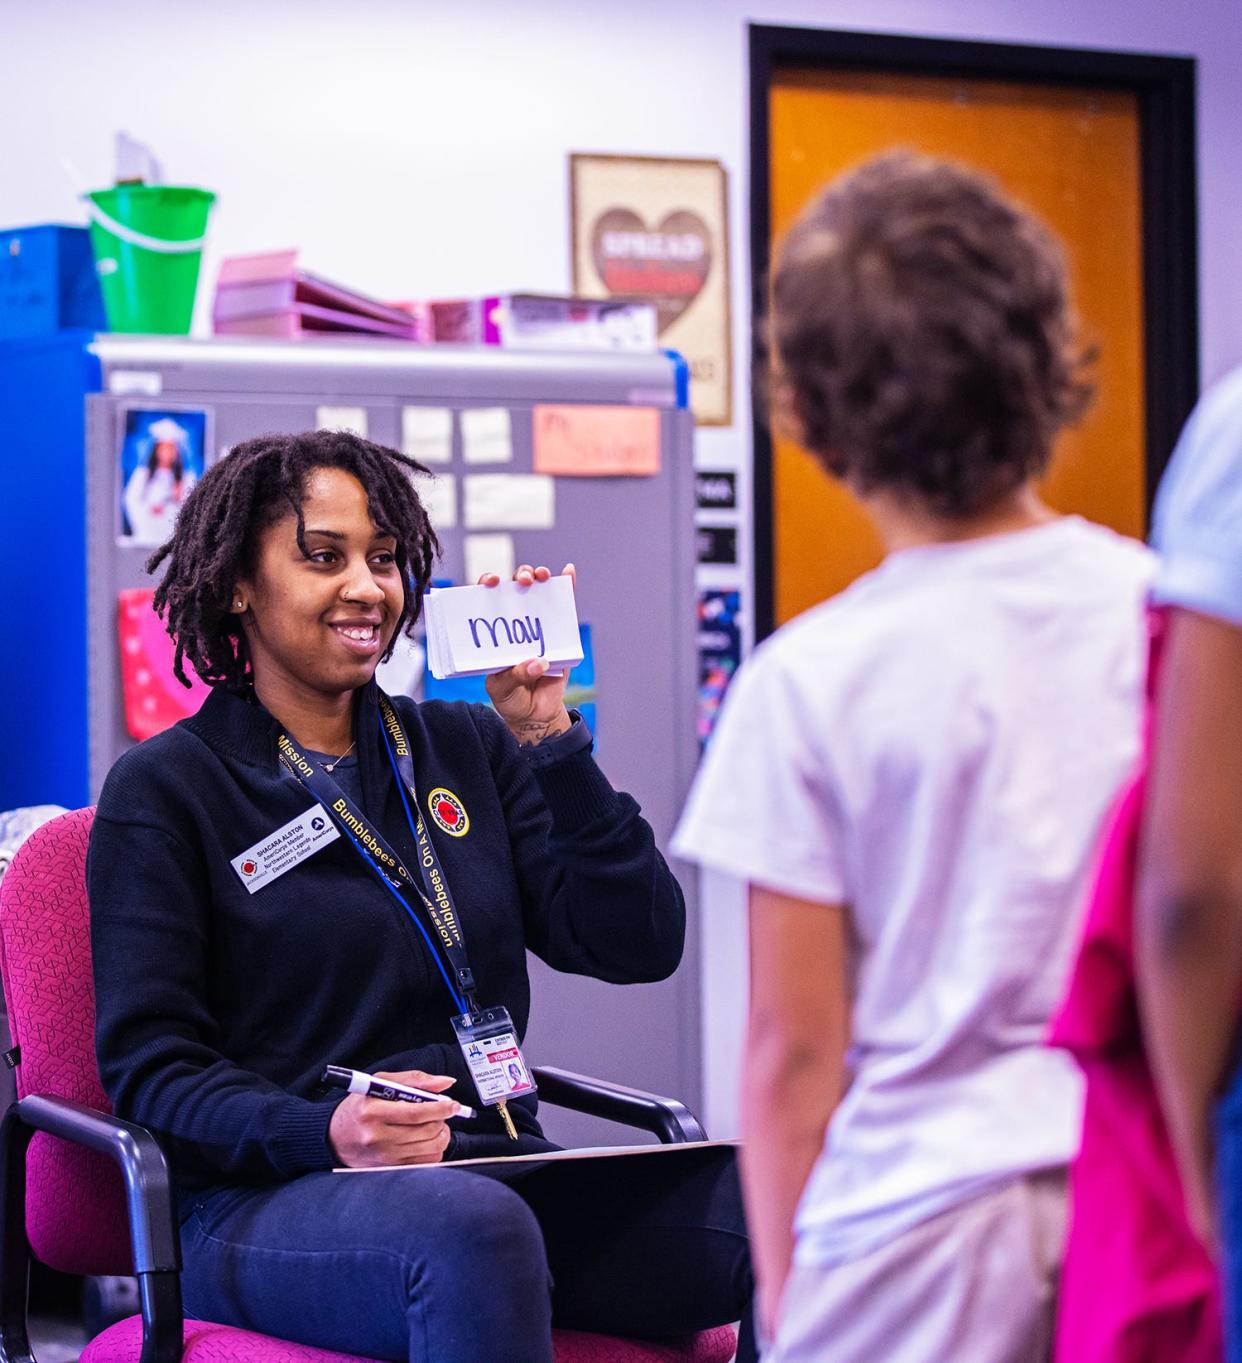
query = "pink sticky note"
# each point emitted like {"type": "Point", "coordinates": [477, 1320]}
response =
{"type": "Point", "coordinates": [154, 699]}
{"type": "Point", "coordinates": [573, 441]}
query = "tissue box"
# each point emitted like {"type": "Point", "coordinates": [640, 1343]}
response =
{"type": "Point", "coordinates": [529, 321]}
{"type": "Point", "coordinates": [48, 281]}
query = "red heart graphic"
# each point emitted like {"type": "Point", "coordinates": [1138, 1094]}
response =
{"type": "Point", "coordinates": [668, 264]}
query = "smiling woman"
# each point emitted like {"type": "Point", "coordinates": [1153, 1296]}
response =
{"type": "Point", "coordinates": [250, 519]}
{"type": "Point", "coordinates": [323, 600]}
{"type": "Point", "coordinates": [253, 921]}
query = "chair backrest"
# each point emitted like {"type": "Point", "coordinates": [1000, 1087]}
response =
{"type": "Point", "coordinates": [75, 1202]}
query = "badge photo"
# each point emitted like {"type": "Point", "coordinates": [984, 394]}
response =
{"type": "Point", "coordinates": [448, 812]}
{"type": "Point", "coordinates": [488, 1040]}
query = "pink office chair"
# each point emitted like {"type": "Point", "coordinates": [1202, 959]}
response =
{"type": "Point", "coordinates": [61, 1198]}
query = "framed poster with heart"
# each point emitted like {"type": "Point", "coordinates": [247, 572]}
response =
{"type": "Point", "coordinates": [657, 227]}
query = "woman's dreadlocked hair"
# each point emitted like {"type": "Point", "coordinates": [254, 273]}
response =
{"type": "Point", "coordinates": [215, 543]}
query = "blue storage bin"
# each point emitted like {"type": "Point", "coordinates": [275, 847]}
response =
{"type": "Point", "coordinates": [48, 281]}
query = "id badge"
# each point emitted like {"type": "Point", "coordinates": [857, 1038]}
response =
{"type": "Point", "coordinates": [488, 1040]}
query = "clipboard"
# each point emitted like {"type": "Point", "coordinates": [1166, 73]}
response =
{"type": "Point", "coordinates": [601, 1152]}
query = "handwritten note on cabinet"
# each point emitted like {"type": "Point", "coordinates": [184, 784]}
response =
{"type": "Point", "coordinates": [597, 442]}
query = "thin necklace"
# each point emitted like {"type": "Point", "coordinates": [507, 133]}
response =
{"type": "Point", "coordinates": [331, 766]}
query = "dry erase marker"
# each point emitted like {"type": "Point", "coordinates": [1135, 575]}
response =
{"type": "Point", "coordinates": [356, 1081]}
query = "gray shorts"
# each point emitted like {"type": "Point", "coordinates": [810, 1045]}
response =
{"type": "Point", "coordinates": [976, 1284]}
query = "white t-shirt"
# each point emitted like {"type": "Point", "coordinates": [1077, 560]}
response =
{"type": "Point", "coordinates": [1198, 515]}
{"type": "Point", "coordinates": [937, 748]}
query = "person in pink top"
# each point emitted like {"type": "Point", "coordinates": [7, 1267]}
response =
{"type": "Point", "coordinates": [1189, 900]}
{"type": "Point", "coordinates": [1137, 1286]}
{"type": "Point", "coordinates": [1152, 1014]}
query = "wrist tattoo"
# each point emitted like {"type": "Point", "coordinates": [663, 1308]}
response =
{"type": "Point", "coordinates": [531, 731]}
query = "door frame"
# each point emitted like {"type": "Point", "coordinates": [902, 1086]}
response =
{"type": "Point", "coordinates": [1165, 90]}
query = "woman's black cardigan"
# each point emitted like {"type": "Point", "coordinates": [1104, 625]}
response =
{"type": "Point", "coordinates": [217, 1009]}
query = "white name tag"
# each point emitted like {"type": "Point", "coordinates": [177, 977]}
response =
{"type": "Point", "coordinates": [282, 850]}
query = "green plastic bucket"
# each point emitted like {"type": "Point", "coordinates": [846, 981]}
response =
{"type": "Point", "coordinates": [148, 241]}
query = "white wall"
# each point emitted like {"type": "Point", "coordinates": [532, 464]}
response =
{"type": "Point", "coordinates": [419, 148]}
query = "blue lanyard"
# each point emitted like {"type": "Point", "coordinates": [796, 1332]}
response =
{"type": "Point", "coordinates": [384, 863]}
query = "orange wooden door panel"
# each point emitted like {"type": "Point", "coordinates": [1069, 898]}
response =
{"type": "Point", "coordinates": [1070, 155]}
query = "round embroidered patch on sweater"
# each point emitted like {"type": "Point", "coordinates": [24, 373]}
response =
{"type": "Point", "coordinates": [448, 812]}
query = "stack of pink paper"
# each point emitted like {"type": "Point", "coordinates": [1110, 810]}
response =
{"type": "Point", "coordinates": [268, 295]}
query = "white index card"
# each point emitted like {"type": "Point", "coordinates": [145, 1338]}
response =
{"type": "Point", "coordinates": [144, 383]}
{"type": "Point", "coordinates": [438, 494]}
{"type": "Point", "coordinates": [427, 434]}
{"type": "Point", "coordinates": [489, 554]}
{"type": "Point", "coordinates": [509, 501]}
{"type": "Point", "coordinates": [351, 419]}
{"type": "Point", "coordinates": [486, 435]}
{"type": "Point", "coordinates": [476, 630]}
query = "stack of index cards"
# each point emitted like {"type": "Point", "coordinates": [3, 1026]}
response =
{"type": "Point", "coordinates": [472, 631]}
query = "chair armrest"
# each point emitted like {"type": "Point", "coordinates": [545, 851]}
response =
{"type": "Point", "coordinates": [148, 1187]}
{"type": "Point", "coordinates": [671, 1120]}
{"type": "Point", "coordinates": [153, 1231]}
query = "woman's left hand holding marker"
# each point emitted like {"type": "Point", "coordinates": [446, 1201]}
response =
{"type": "Point", "coordinates": [531, 703]}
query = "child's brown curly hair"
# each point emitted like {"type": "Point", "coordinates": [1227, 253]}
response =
{"type": "Point", "coordinates": [922, 336]}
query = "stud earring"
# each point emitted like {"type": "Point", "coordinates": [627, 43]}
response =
{"type": "Point", "coordinates": [238, 604]}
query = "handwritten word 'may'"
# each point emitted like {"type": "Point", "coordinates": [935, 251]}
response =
{"type": "Point", "coordinates": [522, 630]}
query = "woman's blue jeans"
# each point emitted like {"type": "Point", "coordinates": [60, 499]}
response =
{"type": "Point", "coordinates": [474, 1266]}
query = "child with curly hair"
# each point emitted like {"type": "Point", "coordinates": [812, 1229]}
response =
{"type": "Point", "coordinates": [910, 779]}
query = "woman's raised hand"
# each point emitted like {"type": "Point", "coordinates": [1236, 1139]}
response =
{"type": "Point", "coordinates": [367, 1131]}
{"type": "Point", "coordinates": [531, 703]}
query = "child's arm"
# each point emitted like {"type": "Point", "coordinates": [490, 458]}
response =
{"type": "Point", "coordinates": [793, 1072]}
{"type": "Point", "coordinates": [1188, 926]}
